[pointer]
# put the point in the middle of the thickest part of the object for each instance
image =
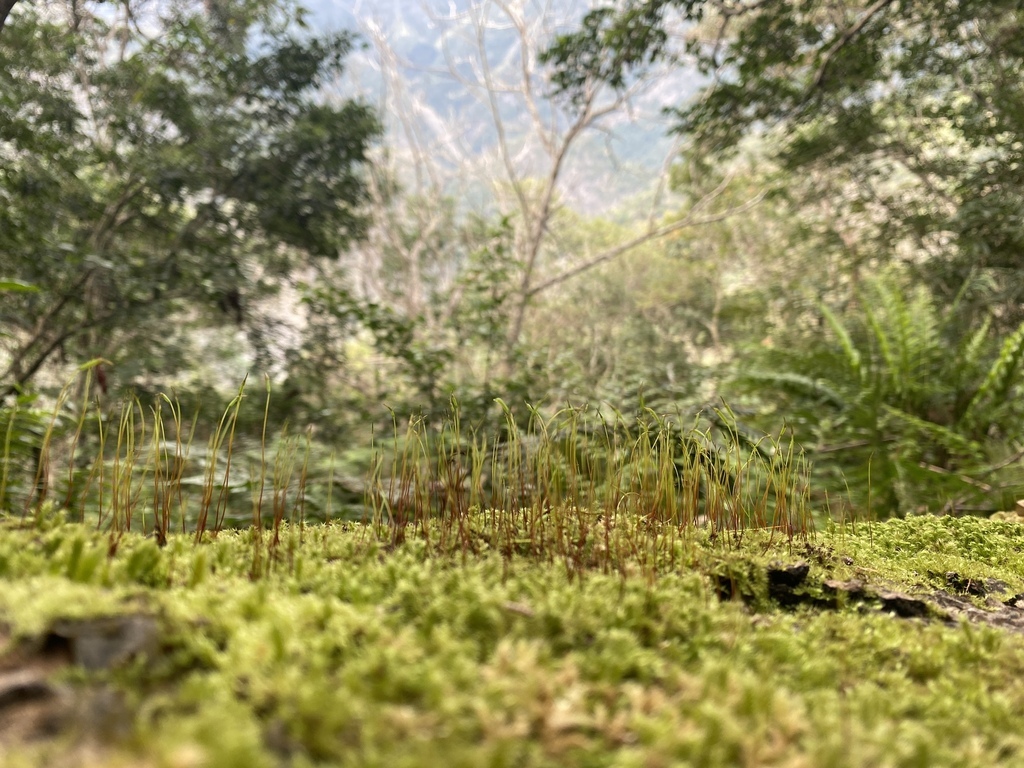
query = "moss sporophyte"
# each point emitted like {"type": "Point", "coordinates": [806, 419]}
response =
{"type": "Point", "coordinates": [570, 593]}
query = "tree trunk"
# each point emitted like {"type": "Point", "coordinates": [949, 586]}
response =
{"type": "Point", "coordinates": [5, 8]}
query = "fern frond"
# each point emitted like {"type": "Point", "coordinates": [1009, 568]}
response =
{"type": "Point", "coordinates": [920, 334]}
{"type": "Point", "coordinates": [1002, 375]}
{"type": "Point", "coordinates": [973, 350]}
{"type": "Point", "coordinates": [884, 347]}
{"type": "Point", "coordinates": [906, 328]}
{"type": "Point", "coordinates": [850, 351]}
{"type": "Point", "coordinates": [796, 383]}
{"type": "Point", "coordinates": [945, 437]}
{"type": "Point", "coordinates": [898, 327]}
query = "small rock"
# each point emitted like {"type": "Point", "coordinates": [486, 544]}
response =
{"type": "Point", "coordinates": [996, 585]}
{"type": "Point", "coordinates": [520, 609]}
{"type": "Point", "coordinates": [790, 576]}
{"type": "Point", "coordinates": [905, 606]}
{"type": "Point", "coordinates": [964, 586]}
{"type": "Point", "coordinates": [105, 642]}
{"type": "Point", "coordinates": [854, 587]}
{"type": "Point", "coordinates": [31, 707]}
{"type": "Point", "coordinates": [783, 581]}
{"type": "Point", "coordinates": [24, 686]}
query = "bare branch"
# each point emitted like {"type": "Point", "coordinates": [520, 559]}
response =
{"type": "Point", "coordinates": [527, 169]}
{"type": "Point", "coordinates": [730, 10]}
{"type": "Point", "coordinates": [526, 73]}
{"type": "Point", "coordinates": [1013, 458]}
{"type": "Point", "coordinates": [984, 487]}
{"type": "Point", "coordinates": [499, 123]}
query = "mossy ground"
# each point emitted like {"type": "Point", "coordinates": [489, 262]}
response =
{"type": "Point", "coordinates": [341, 649]}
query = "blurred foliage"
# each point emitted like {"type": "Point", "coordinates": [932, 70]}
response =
{"type": "Point", "coordinates": [24, 425]}
{"type": "Point", "coordinates": [359, 354]}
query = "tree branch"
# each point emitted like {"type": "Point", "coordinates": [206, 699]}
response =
{"type": "Point", "coordinates": [845, 38]}
{"type": "Point", "coordinates": [40, 331]}
{"type": "Point", "coordinates": [499, 123]}
{"type": "Point", "coordinates": [30, 371]}
{"type": "Point", "coordinates": [730, 11]}
{"type": "Point", "coordinates": [629, 245]}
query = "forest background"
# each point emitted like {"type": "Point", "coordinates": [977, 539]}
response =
{"type": "Point", "coordinates": [800, 219]}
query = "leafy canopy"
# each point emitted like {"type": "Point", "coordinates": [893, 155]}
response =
{"type": "Point", "coordinates": [909, 114]}
{"type": "Point", "coordinates": [166, 167]}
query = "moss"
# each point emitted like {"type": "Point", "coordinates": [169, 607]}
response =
{"type": "Point", "coordinates": [372, 656]}
{"type": "Point", "coordinates": [922, 551]}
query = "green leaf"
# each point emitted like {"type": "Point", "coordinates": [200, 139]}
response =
{"type": "Point", "coordinates": [16, 286]}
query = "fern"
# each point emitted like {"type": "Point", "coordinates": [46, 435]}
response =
{"type": "Point", "coordinates": [906, 333]}
{"type": "Point", "coordinates": [915, 365]}
{"type": "Point", "coordinates": [885, 348]}
{"type": "Point", "coordinates": [921, 340]}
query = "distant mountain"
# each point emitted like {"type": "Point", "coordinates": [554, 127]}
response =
{"type": "Point", "coordinates": [606, 168]}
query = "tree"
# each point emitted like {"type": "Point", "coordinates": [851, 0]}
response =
{"type": "Point", "coordinates": [152, 180]}
{"type": "Point", "coordinates": [474, 230]}
{"type": "Point", "coordinates": [902, 117]}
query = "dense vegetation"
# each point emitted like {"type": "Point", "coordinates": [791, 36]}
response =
{"type": "Point", "coordinates": [838, 256]}
{"type": "Point", "coordinates": [333, 433]}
